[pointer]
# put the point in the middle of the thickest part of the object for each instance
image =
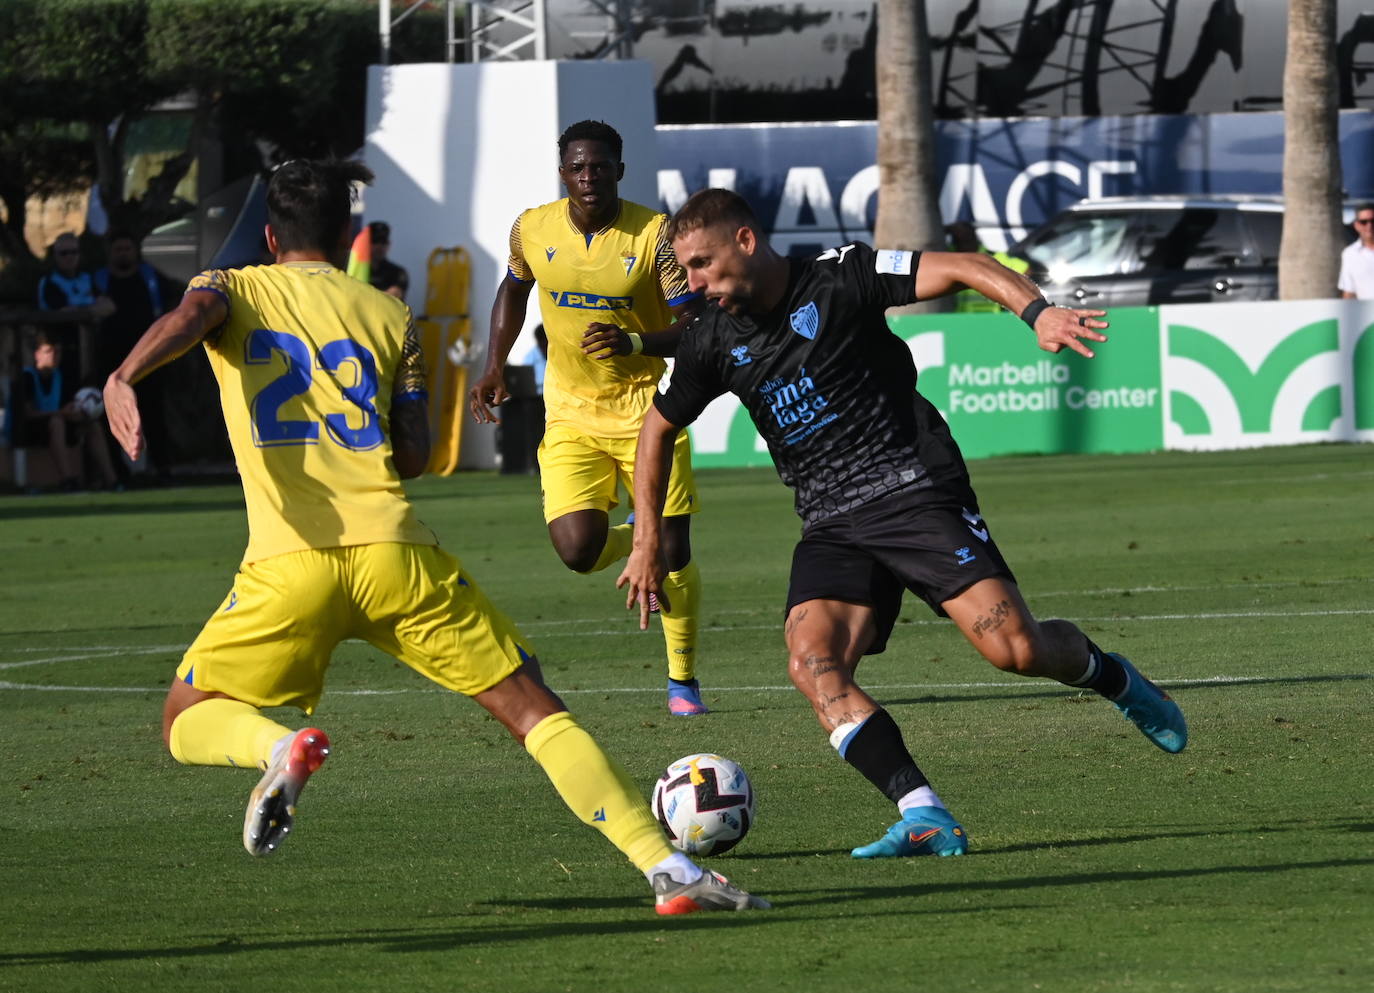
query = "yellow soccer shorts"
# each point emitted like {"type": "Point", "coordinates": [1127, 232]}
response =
{"type": "Point", "coordinates": [580, 472]}
{"type": "Point", "coordinates": [271, 640]}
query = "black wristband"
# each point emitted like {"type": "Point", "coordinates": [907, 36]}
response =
{"type": "Point", "coordinates": [1033, 310]}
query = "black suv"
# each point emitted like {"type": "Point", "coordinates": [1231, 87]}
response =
{"type": "Point", "coordinates": [1139, 251]}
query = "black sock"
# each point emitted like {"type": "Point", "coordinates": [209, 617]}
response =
{"type": "Point", "coordinates": [877, 751]}
{"type": "Point", "coordinates": [1104, 674]}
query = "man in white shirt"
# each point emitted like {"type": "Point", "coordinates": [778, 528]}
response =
{"type": "Point", "coordinates": [1356, 281]}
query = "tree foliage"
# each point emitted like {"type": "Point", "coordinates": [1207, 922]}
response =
{"type": "Point", "coordinates": [288, 75]}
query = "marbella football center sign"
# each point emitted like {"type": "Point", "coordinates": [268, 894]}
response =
{"type": "Point", "coordinates": [1195, 377]}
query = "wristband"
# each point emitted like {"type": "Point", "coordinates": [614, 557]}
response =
{"type": "Point", "coordinates": [636, 342]}
{"type": "Point", "coordinates": [1033, 310]}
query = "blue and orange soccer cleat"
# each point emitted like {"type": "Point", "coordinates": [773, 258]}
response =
{"type": "Point", "coordinates": [684, 698]}
{"type": "Point", "coordinates": [711, 891]}
{"type": "Point", "coordinates": [1150, 709]}
{"type": "Point", "coordinates": [272, 804]}
{"type": "Point", "coordinates": [921, 831]}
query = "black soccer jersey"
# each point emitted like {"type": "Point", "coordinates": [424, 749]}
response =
{"type": "Point", "coordinates": [830, 388]}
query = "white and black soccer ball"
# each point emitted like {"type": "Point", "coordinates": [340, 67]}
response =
{"type": "Point", "coordinates": [90, 402]}
{"type": "Point", "coordinates": [705, 803]}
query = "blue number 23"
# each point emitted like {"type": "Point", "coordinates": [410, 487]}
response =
{"type": "Point", "coordinates": [271, 429]}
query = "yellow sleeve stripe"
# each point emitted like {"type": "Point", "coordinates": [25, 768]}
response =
{"type": "Point", "coordinates": [410, 376]}
{"type": "Point", "coordinates": [672, 278]}
{"type": "Point", "coordinates": [516, 263]}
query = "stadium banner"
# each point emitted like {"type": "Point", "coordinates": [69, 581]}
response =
{"type": "Point", "coordinates": [815, 185]}
{"type": "Point", "coordinates": [1190, 377]}
{"type": "Point", "coordinates": [1247, 375]}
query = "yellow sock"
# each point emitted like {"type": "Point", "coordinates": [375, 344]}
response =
{"type": "Point", "coordinates": [225, 732]}
{"type": "Point", "coordinates": [680, 625]}
{"type": "Point", "coordinates": [619, 540]}
{"type": "Point", "coordinates": [596, 789]}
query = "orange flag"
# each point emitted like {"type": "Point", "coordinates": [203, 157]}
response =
{"type": "Point", "coordinates": [360, 256]}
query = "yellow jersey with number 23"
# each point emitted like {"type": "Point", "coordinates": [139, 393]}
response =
{"type": "Point", "coordinates": [308, 361]}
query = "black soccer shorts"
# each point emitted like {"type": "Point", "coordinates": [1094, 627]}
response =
{"type": "Point", "coordinates": [920, 540]}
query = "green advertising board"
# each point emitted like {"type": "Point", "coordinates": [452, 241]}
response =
{"type": "Point", "coordinates": [1190, 377]}
{"type": "Point", "coordinates": [1003, 395]}
{"type": "Point", "coordinates": [1000, 393]}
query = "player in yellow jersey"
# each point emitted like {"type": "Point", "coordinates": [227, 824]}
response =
{"type": "Point", "coordinates": [614, 301]}
{"type": "Point", "coordinates": [322, 385]}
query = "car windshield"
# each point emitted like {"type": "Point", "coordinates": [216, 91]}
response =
{"type": "Point", "coordinates": [1078, 245]}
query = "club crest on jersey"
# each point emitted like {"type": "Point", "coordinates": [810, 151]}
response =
{"type": "Point", "coordinates": [741, 355]}
{"type": "Point", "coordinates": [629, 261]}
{"type": "Point", "coordinates": [806, 321]}
{"type": "Point", "coordinates": [549, 253]}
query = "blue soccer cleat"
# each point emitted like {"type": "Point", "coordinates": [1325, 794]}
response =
{"type": "Point", "coordinates": [684, 698]}
{"type": "Point", "coordinates": [1150, 709]}
{"type": "Point", "coordinates": [921, 831]}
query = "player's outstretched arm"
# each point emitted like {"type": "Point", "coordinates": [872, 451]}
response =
{"type": "Point", "coordinates": [645, 570]}
{"type": "Point", "coordinates": [507, 318]}
{"type": "Point", "coordinates": [941, 273]}
{"type": "Point", "coordinates": [170, 336]}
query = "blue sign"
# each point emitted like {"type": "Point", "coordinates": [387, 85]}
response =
{"type": "Point", "coordinates": [815, 185]}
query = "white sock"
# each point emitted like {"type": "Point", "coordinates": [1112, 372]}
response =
{"type": "Point", "coordinates": [922, 796]}
{"type": "Point", "coordinates": [678, 866]}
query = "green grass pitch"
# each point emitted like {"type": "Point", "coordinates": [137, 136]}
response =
{"type": "Point", "coordinates": [430, 854]}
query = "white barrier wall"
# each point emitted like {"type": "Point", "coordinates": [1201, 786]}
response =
{"type": "Point", "coordinates": [460, 150]}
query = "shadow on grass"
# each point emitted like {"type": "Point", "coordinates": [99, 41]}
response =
{"type": "Point", "coordinates": [442, 938]}
{"type": "Point", "coordinates": [20, 509]}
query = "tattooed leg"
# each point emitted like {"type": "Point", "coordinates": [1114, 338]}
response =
{"type": "Point", "coordinates": [996, 621]}
{"type": "Point", "coordinates": [825, 640]}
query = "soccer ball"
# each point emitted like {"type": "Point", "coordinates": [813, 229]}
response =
{"type": "Point", "coordinates": [89, 401]}
{"type": "Point", "coordinates": [705, 803]}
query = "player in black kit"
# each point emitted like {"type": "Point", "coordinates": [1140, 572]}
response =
{"type": "Point", "coordinates": [881, 487]}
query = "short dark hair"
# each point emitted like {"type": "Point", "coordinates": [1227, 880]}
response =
{"type": "Point", "coordinates": [707, 208]}
{"type": "Point", "coordinates": [381, 231]}
{"type": "Point", "coordinates": [310, 202]}
{"type": "Point", "coordinates": [1367, 205]}
{"type": "Point", "coordinates": [591, 131]}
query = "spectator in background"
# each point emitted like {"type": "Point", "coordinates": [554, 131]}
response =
{"type": "Point", "coordinates": [538, 356]}
{"type": "Point", "coordinates": [387, 276]}
{"type": "Point", "coordinates": [1356, 281]}
{"type": "Point", "coordinates": [70, 292]}
{"type": "Point", "coordinates": [139, 295]}
{"type": "Point", "coordinates": [48, 416]}
{"type": "Point", "coordinates": [963, 237]}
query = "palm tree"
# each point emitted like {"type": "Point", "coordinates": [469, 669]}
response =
{"type": "Point", "coordinates": [908, 209]}
{"type": "Point", "coordinates": [1309, 255]}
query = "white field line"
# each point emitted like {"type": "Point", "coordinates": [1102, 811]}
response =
{"type": "Point", "coordinates": [79, 653]}
{"type": "Point", "coordinates": [1027, 684]}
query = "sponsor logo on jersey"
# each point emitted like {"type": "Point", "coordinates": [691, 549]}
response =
{"type": "Point", "coordinates": [797, 407]}
{"type": "Point", "coordinates": [806, 321]}
{"type": "Point", "coordinates": [589, 301]}
{"type": "Point", "coordinates": [549, 253]}
{"type": "Point", "coordinates": [629, 261]}
{"type": "Point", "coordinates": [741, 355]}
{"type": "Point", "coordinates": [965, 555]}
{"type": "Point", "coordinates": [892, 262]}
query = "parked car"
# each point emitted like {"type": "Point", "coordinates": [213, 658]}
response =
{"type": "Point", "coordinates": [1145, 250]}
